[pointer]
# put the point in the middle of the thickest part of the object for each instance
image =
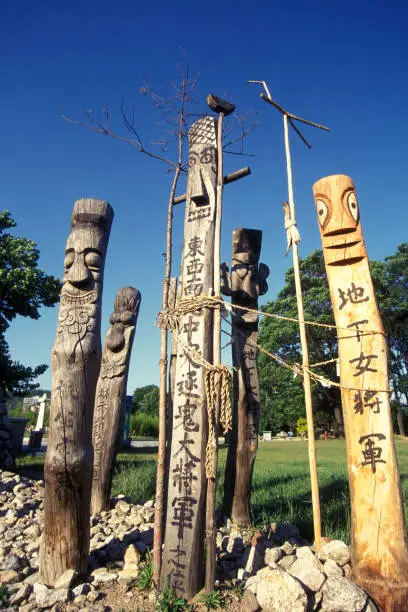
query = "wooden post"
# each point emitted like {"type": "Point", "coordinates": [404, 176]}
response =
{"type": "Point", "coordinates": [379, 540]}
{"type": "Point", "coordinates": [76, 357]}
{"type": "Point", "coordinates": [173, 347]}
{"type": "Point", "coordinates": [247, 282]}
{"type": "Point", "coordinates": [111, 394]}
{"type": "Point", "coordinates": [182, 565]}
{"type": "Point", "coordinates": [222, 108]}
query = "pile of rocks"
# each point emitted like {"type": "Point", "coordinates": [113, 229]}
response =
{"type": "Point", "coordinates": [278, 568]}
{"type": "Point", "coordinates": [282, 572]}
{"type": "Point", "coordinates": [119, 538]}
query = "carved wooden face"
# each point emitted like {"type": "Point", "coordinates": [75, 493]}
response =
{"type": "Point", "coordinates": [202, 167]}
{"type": "Point", "coordinates": [85, 252]}
{"type": "Point", "coordinates": [339, 220]}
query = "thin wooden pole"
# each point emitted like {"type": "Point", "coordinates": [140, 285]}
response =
{"type": "Point", "coordinates": [305, 354]}
{"type": "Point", "coordinates": [211, 532]}
{"type": "Point", "coordinates": [161, 453]}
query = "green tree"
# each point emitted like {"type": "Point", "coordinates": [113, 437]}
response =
{"type": "Point", "coordinates": [391, 284]}
{"type": "Point", "coordinates": [24, 288]}
{"type": "Point", "coordinates": [301, 426]}
{"type": "Point", "coordinates": [146, 399]}
{"type": "Point", "coordinates": [282, 401]}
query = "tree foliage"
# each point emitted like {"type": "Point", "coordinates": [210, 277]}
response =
{"type": "Point", "coordinates": [24, 289]}
{"type": "Point", "coordinates": [282, 402]}
{"type": "Point", "coordinates": [146, 399]}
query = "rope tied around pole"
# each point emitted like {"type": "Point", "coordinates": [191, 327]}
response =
{"type": "Point", "coordinates": [292, 232]}
{"type": "Point", "coordinates": [216, 377]}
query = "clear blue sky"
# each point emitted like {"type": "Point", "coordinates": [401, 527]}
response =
{"type": "Point", "coordinates": [343, 64]}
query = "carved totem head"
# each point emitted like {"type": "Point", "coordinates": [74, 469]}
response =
{"type": "Point", "coordinates": [339, 220]}
{"type": "Point", "coordinates": [248, 280]}
{"type": "Point", "coordinates": [119, 337]}
{"type": "Point", "coordinates": [202, 168]}
{"type": "Point", "coordinates": [85, 251]}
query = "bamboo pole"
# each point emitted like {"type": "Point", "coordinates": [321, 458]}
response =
{"type": "Point", "coordinates": [305, 353]}
{"type": "Point", "coordinates": [212, 482]}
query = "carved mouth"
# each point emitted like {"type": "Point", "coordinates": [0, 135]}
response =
{"type": "Point", "coordinates": [78, 298]}
{"type": "Point", "coordinates": [339, 232]}
{"type": "Point", "coordinates": [346, 261]}
{"type": "Point", "coordinates": [343, 245]}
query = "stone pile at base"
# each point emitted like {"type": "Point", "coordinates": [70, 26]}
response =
{"type": "Point", "coordinates": [276, 567]}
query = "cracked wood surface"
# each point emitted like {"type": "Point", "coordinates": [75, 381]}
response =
{"type": "Point", "coordinates": [76, 358]}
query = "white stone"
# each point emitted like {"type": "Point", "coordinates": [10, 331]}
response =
{"type": "Point", "coordinates": [336, 550]}
{"type": "Point", "coordinates": [307, 574]}
{"type": "Point", "coordinates": [252, 584]}
{"type": "Point", "coordinates": [66, 580]}
{"type": "Point", "coordinates": [280, 591]}
{"type": "Point", "coordinates": [331, 568]}
{"type": "Point", "coordinates": [341, 594]}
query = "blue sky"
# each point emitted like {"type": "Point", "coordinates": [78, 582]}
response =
{"type": "Point", "coordinates": [343, 64]}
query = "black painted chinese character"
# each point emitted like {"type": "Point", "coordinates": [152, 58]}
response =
{"type": "Point", "coordinates": [194, 246]}
{"type": "Point", "coordinates": [364, 400]}
{"type": "Point", "coordinates": [186, 413]}
{"type": "Point", "coordinates": [356, 324]}
{"type": "Point", "coordinates": [183, 513]}
{"type": "Point", "coordinates": [354, 294]}
{"type": "Point", "coordinates": [372, 453]}
{"type": "Point", "coordinates": [184, 446]}
{"type": "Point", "coordinates": [183, 476]}
{"type": "Point", "coordinates": [363, 363]}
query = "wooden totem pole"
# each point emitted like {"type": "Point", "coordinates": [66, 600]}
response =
{"type": "Point", "coordinates": [111, 394]}
{"type": "Point", "coordinates": [76, 358]}
{"type": "Point", "coordinates": [183, 566]}
{"type": "Point", "coordinates": [245, 283]}
{"type": "Point", "coordinates": [379, 541]}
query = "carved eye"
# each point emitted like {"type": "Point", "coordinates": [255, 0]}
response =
{"type": "Point", "coordinates": [353, 206]}
{"type": "Point", "coordinates": [93, 260]}
{"type": "Point", "coordinates": [69, 259]}
{"type": "Point", "coordinates": [322, 212]}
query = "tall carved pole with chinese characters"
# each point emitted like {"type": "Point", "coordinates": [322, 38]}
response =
{"type": "Point", "coordinates": [182, 566]}
{"type": "Point", "coordinates": [379, 541]}
{"type": "Point", "coordinates": [111, 394]}
{"type": "Point", "coordinates": [76, 358]}
{"type": "Point", "coordinates": [246, 282]}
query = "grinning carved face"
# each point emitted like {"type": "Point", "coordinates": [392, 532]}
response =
{"type": "Point", "coordinates": [85, 253]}
{"type": "Point", "coordinates": [339, 220]}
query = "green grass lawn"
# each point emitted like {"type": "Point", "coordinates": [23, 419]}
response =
{"type": "Point", "coordinates": [281, 486]}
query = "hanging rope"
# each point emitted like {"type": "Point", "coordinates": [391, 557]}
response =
{"type": "Point", "coordinates": [292, 232]}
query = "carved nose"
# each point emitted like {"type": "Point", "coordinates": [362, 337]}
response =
{"type": "Point", "coordinates": [78, 274]}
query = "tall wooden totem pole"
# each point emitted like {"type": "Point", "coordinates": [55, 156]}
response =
{"type": "Point", "coordinates": [379, 541]}
{"type": "Point", "coordinates": [76, 358]}
{"type": "Point", "coordinates": [183, 566]}
{"type": "Point", "coordinates": [111, 393]}
{"type": "Point", "coordinates": [245, 283]}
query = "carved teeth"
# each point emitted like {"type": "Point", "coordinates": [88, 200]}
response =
{"type": "Point", "coordinates": [79, 298]}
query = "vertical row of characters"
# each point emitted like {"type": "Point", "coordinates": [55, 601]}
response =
{"type": "Point", "coordinates": [182, 565]}
{"type": "Point", "coordinates": [379, 546]}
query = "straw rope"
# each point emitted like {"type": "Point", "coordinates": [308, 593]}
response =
{"type": "Point", "coordinates": [216, 377]}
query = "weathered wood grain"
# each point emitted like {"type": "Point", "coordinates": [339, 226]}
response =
{"type": "Point", "coordinates": [76, 357]}
{"type": "Point", "coordinates": [182, 567]}
{"type": "Point", "coordinates": [246, 282]}
{"type": "Point", "coordinates": [379, 541]}
{"type": "Point", "coordinates": [111, 394]}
